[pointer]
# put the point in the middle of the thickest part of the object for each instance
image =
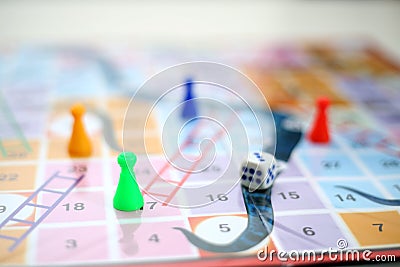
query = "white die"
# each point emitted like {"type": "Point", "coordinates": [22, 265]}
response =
{"type": "Point", "coordinates": [258, 171]}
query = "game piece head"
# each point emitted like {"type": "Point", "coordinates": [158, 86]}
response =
{"type": "Point", "coordinates": [127, 159]}
{"type": "Point", "coordinates": [189, 87]}
{"type": "Point", "coordinates": [323, 103]}
{"type": "Point", "coordinates": [77, 110]}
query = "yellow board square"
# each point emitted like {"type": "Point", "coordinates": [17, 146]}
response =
{"type": "Point", "coordinates": [58, 148]}
{"type": "Point", "coordinates": [151, 144]}
{"type": "Point", "coordinates": [17, 177]}
{"type": "Point", "coordinates": [18, 255]}
{"type": "Point", "coordinates": [374, 228]}
{"type": "Point", "coordinates": [118, 103]}
{"type": "Point", "coordinates": [16, 150]}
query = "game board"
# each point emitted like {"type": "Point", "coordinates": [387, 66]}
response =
{"type": "Point", "coordinates": [58, 210]}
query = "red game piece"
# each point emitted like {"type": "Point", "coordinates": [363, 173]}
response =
{"type": "Point", "coordinates": [319, 132]}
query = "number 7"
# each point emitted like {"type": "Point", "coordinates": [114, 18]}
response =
{"type": "Point", "coordinates": [152, 204]}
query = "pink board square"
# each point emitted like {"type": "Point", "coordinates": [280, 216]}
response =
{"type": "Point", "coordinates": [93, 171]}
{"type": "Point", "coordinates": [153, 240]}
{"type": "Point", "coordinates": [77, 206]}
{"type": "Point", "coordinates": [146, 169]}
{"type": "Point", "coordinates": [72, 244]}
{"type": "Point", "coordinates": [152, 208]}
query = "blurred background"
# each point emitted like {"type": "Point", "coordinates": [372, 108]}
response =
{"type": "Point", "coordinates": [197, 23]}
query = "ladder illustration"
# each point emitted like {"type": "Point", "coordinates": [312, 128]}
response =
{"type": "Point", "coordinates": [169, 196]}
{"type": "Point", "coordinates": [10, 129]}
{"type": "Point", "coordinates": [187, 142]}
{"type": "Point", "coordinates": [48, 209]}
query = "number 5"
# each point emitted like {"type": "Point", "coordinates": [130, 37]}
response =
{"type": "Point", "coordinates": [223, 227]}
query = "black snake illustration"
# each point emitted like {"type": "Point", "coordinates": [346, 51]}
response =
{"type": "Point", "coordinates": [259, 226]}
{"type": "Point", "coordinates": [258, 203]}
{"type": "Point", "coordinates": [387, 202]}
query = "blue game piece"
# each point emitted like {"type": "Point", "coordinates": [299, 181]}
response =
{"type": "Point", "coordinates": [189, 106]}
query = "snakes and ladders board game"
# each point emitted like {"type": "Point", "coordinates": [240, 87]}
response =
{"type": "Point", "coordinates": [58, 210]}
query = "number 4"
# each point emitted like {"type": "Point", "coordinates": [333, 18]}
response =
{"type": "Point", "coordinates": [154, 238]}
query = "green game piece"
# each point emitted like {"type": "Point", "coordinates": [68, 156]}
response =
{"type": "Point", "coordinates": [128, 196]}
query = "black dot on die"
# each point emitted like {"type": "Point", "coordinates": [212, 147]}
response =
{"type": "Point", "coordinates": [258, 180]}
{"type": "Point", "coordinates": [267, 180]}
{"type": "Point", "coordinates": [259, 173]}
{"type": "Point", "coordinates": [244, 177]}
{"type": "Point", "coordinates": [244, 169]}
{"type": "Point", "coordinates": [251, 171]}
{"type": "Point", "coordinates": [250, 178]}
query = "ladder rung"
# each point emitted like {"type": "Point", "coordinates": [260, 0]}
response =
{"type": "Point", "coordinates": [65, 177]}
{"type": "Point", "coordinates": [52, 191]}
{"type": "Point", "coordinates": [172, 181]}
{"type": "Point", "coordinates": [157, 194]}
{"type": "Point", "coordinates": [21, 221]}
{"type": "Point", "coordinates": [38, 206]}
{"type": "Point", "coordinates": [8, 237]}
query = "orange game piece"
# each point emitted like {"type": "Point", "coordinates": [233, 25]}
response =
{"type": "Point", "coordinates": [79, 144]}
{"type": "Point", "coordinates": [319, 132]}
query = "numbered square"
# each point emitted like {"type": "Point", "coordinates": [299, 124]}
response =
{"type": "Point", "coordinates": [374, 228]}
{"type": "Point", "coordinates": [329, 164]}
{"type": "Point", "coordinates": [58, 148]}
{"type": "Point", "coordinates": [153, 240]}
{"type": "Point", "coordinates": [306, 232]}
{"type": "Point", "coordinates": [16, 257]}
{"type": "Point", "coordinates": [294, 196]}
{"type": "Point", "coordinates": [344, 199]}
{"type": "Point", "coordinates": [152, 208]}
{"type": "Point", "coordinates": [76, 207]}
{"type": "Point", "coordinates": [72, 244]}
{"type": "Point", "coordinates": [220, 230]}
{"type": "Point", "coordinates": [14, 149]}
{"type": "Point", "coordinates": [217, 200]}
{"type": "Point", "coordinates": [393, 186]}
{"type": "Point", "coordinates": [10, 202]}
{"type": "Point", "coordinates": [17, 177]}
{"type": "Point", "coordinates": [380, 164]}
{"type": "Point", "coordinates": [92, 171]}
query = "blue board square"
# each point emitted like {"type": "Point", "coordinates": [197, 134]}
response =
{"type": "Point", "coordinates": [393, 186]}
{"type": "Point", "coordinates": [343, 198]}
{"type": "Point", "coordinates": [380, 164]}
{"type": "Point", "coordinates": [330, 164]}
